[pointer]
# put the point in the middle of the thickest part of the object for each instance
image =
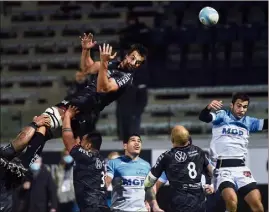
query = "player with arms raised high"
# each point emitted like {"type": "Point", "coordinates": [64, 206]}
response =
{"type": "Point", "coordinates": [89, 166]}
{"type": "Point", "coordinates": [228, 150]}
{"type": "Point", "coordinates": [110, 80]}
{"type": "Point", "coordinates": [183, 166]}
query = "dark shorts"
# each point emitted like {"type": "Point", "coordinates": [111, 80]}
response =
{"type": "Point", "coordinates": [88, 105]}
{"type": "Point", "coordinates": [96, 209]}
{"type": "Point", "coordinates": [86, 101]}
{"type": "Point", "coordinates": [184, 201]}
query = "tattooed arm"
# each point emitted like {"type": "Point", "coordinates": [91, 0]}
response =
{"type": "Point", "coordinates": [23, 138]}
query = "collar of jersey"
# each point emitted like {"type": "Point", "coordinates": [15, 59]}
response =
{"type": "Point", "coordinates": [128, 159]}
{"type": "Point", "coordinates": [234, 118]}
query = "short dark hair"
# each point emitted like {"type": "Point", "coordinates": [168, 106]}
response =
{"type": "Point", "coordinates": [95, 139]}
{"type": "Point", "coordinates": [142, 50]}
{"type": "Point", "coordinates": [242, 96]}
{"type": "Point", "coordinates": [125, 141]}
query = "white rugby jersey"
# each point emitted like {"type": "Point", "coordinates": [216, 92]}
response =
{"type": "Point", "coordinates": [230, 135]}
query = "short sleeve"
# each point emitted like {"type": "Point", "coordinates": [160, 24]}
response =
{"type": "Point", "coordinates": [163, 178]}
{"type": "Point", "coordinates": [78, 153]}
{"type": "Point", "coordinates": [75, 153]}
{"type": "Point", "coordinates": [218, 117]}
{"type": "Point", "coordinates": [111, 168]}
{"type": "Point", "coordinates": [124, 80]}
{"type": "Point", "coordinates": [158, 168]}
{"type": "Point", "coordinates": [255, 124]}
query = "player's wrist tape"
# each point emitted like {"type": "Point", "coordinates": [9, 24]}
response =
{"type": "Point", "coordinates": [33, 125]}
{"type": "Point", "coordinates": [66, 130]}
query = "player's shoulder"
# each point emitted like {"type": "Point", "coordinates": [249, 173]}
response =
{"type": "Point", "coordinates": [117, 161]}
{"type": "Point", "coordinates": [194, 147]}
{"type": "Point", "coordinates": [143, 162]}
{"type": "Point", "coordinates": [76, 148]}
{"type": "Point", "coordinates": [113, 64]}
{"type": "Point", "coordinates": [222, 112]}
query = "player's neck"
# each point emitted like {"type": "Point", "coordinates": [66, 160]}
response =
{"type": "Point", "coordinates": [181, 146]}
{"type": "Point", "coordinates": [132, 157]}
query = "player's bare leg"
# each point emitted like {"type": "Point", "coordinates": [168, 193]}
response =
{"type": "Point", "coordinates": [230, 199]}
{"type": "Point", "coordinates": [253, 199]}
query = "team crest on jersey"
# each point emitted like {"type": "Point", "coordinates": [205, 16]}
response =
{"type": "Point", "coordinates": [180, 156]}
{"type": "Point", "coordinates": [98, 164]}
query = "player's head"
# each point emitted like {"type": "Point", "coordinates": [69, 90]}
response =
{"type": "Point", "coordinates": [135, 57]}
{"type": "Point", "coordinates": [113, 155]}
{"type": "Point", "coordinates": [239, 105]}
{"type": "Point", "coordinates": [133, 145]}
{"type": "Point", "coordinates": [92, 140]}
{"type": "Point", "coordinates": [180, 136]}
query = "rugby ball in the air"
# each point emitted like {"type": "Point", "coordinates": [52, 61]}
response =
{"type": "Point", "coordinates": [209, 16]}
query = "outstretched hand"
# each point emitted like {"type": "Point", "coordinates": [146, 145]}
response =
{"type": "Point", "coordinates": [106, 53]}
{"type": "Point", "coordinates": [87, 41]}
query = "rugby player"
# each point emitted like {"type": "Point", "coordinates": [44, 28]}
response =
{"type": "Point", "coordinates": [228, 150]}
{"type": "Point", "coordinates": [111, 78]}
{"type": "Point", "coordinates": [183, 165]}
{"type": "Point", "coordinates": [89, 166]}
{"type": "Point", "coordinates": [127, 174]}
{"type": "Point", "coordinates": [13, 169]}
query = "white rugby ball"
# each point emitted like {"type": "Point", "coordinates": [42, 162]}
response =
{"type": "Point", "coordinates": [208, 16]}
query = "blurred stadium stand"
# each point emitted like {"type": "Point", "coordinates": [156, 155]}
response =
{"type": "Point", "coordinates": [40, 52]}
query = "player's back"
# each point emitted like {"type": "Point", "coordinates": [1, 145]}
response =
{"type": "Point", "coordinates": [184, 167]}
{"type": "Point", "coordinates": [89, 178]}
{"type": "Point", "coordinates": [128, 183]}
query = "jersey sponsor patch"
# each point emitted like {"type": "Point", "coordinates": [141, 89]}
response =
{"type": "Point", "coordinates": [180, 156]}
{"type": "Point", "coordinates": [232, 131]}
{"type": "Point", "coordinates": [133, 181]}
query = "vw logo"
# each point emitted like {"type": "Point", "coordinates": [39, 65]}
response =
{"type": "Point", "coordinates": [180, 156]}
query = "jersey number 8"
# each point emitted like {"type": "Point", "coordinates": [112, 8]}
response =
{"type": "Point", "coordinates": [192, 171]}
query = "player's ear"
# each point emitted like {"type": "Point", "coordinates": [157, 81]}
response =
{"type": "Point", "coordinates": [89, 145]}
{"type": "Point", "coordinates": [231, 106]}
{"type": "Point", "coordinates": [125, 146]}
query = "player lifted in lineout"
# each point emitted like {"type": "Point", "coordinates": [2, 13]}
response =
{"type": "Point", "coordinates": [110, 80]}
{"type": "Point", "coordinates": [228, 150]}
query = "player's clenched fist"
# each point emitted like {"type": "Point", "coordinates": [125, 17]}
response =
{"type": "Point", "coordinates": [215, 104]}
{"type": "Point", "coordinates": [106, 53]}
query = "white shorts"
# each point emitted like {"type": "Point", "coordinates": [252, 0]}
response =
{"type": "Point", "coordinates": [239, 176]}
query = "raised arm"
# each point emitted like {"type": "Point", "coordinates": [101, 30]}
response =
{"type": "Point", "coordinates": [206, 115]}
{"type": "Point", "coordinates": [105, 84]}
{"type": "Point", "coordinates": [67, 132]}
{"type": "Point", "coordinates": [87, 65]}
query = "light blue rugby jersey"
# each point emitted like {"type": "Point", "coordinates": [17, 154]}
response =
{"type": "Point", "coordinates": [128, 176]}
{"type": "Point", "coordinates": [230, 135]}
